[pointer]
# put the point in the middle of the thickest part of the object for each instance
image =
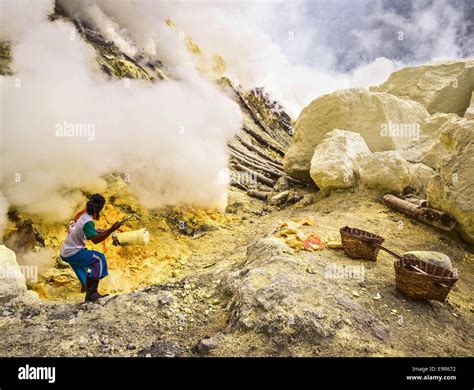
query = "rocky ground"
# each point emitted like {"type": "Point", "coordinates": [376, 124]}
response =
{"type": "Point", "coordinates": [251, 294]}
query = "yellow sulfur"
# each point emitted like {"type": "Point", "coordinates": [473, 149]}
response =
{"type": "Point", "coordinates": [135, 237]}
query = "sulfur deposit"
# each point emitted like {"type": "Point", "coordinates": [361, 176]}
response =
{"type": "Point", "coordinates": [136, 237]}
{"type": "Point", "coordinates": [444, 86]}
{"type": "Point", "coordinates": [371, 114]}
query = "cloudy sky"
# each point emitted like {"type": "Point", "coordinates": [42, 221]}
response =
{"type": "Point", "coordinates": [358, 31]}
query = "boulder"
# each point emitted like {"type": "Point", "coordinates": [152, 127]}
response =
{"type": "Point", "coordinates": [420, 175]}
{"type": "Point", "coordinates": [272, 293]}
{"type": "Point", "coordinates": [441, 86]}
{"type": "Point", "coordinates": [332, 165]}
{"type": "Point", "coordinates": [436, 258]}
{"type": "Point", "coordinates": [452, 190]}
{"type": "Point", "coordinates": [12, 280]}
{"type": "Point", "coordinates": [378, 117]}
{"type": "Point", "coordinates": [428, 148]}
{"type": "Point", "coordinates": [385, 171]}
{"type": "Point", "coordinates": [469, 114]}
{"type": "Point", "coordinates": [281, 184]}
{"type": "Point", "coordinates": [269, 296]}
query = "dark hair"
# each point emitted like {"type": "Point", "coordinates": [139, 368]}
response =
{"type": "Point", "coordinates": [95, 204]}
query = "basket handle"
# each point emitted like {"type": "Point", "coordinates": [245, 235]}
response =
{"type": "Point", "coordinates": [425, 273]}
{"type": "Point", "coordinates": [414, 268]}
{"type": "Point", "coordinates": [398, 257]}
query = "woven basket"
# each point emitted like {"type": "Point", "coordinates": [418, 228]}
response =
{"type": "Point", "coordinates": [358, 244]}
{"type": "Point", "coordinates": [436, 285]}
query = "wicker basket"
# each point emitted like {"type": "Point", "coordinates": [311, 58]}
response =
{"type": "Point", "coordinates": [358, 244]}
{"type": "Point", "coordinates": [435, 284]}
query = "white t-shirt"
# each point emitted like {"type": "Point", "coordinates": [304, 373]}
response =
{"type": "Point", "coordinates": [76, 239]}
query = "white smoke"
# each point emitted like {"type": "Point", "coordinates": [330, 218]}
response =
{"type": "Point", "coordinates": [428, 32]}
{"type": "Point", "coordinates": [17, 16]}
{"type": "Point", "coordinates": [299, 50]}
{"type": "Point", "coordinates": [35, 262]}
{"type": "Point", "coordinates": [63, 126]}
{"type": "Point", "coordinates": [277, 45]}
{"type": "Point", "coordinates": [228, 29]}
{"type": "Point", "coordinates": [112, 31]}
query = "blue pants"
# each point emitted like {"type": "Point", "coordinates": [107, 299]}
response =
{"type": "Point", "coordinates": [86, 260]}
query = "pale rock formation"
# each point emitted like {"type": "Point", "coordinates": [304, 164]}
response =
{"type": "Point", "coordinates": [452, 190]}
{"type": "Point", "coordinates": [12, 280]}
{"type": "Point", "coordinates": [272, 294]}
{"type": "Point", "coordinates": [440, 86]}
{"type": "Point", "coordinates": [436, 258]}
{"type": "Point", "coordinates": [469, 114]}
{"type": "Point", "coordinates": [332, 165]}
{"type": "Point", "coordinates": [384, 171]}
{"type": "Point", "coordinates": [428, 148]}
{"type": "Point", "coordinates": [384, 121]}
{"type": "Point", "coordinates": [420, 175]}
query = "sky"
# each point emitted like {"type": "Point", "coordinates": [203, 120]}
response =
{"type": "Point", "coordinates": [359, 31]}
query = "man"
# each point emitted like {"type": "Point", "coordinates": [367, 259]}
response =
{"type": "Point", "coordinates": [74, 252]}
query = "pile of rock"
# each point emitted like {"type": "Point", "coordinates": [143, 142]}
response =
{"type": "Point", "coordinates": [452, 188]}
{"type": "Point", "coordinates": [377, 117]}
{"type": "Point", "coordinates": [343, 160]}
{"type": "Point", "coordinates": [385, 139]}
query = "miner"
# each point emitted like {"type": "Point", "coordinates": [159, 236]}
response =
{"type": "Point", "coordinates": [90, 266]}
